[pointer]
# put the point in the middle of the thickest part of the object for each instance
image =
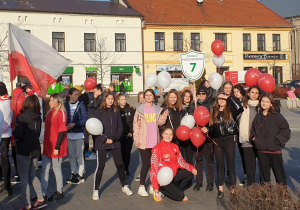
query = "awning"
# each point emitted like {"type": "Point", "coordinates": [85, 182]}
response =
{"type": "Point", "coordinates": [121, 69]}
{"type": "Point", "coordinates": [69, 70]}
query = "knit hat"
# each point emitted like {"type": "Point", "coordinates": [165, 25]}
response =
{"type": "Point", "coordinates": [202, 89]}
{"type": "Point", "coordinates": [3, 89]}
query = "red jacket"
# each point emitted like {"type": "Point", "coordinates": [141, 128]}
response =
{"type": "Point", "coordinates": [166, 154]}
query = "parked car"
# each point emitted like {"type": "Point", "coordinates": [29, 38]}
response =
{"type": "Point", "coordinates": [290, 83]}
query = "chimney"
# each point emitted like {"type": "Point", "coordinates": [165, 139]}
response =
{"type": "Point", "coordinates": [115, 1]}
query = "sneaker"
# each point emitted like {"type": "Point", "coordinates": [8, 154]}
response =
{"type": "Point", "coordinates": [25, 208]}
{"type": "Point", "coordinates": [142, 192]}
{"type": "Point", "coordinates": [151, 191]}
{"type": "Point", "coordinates": [127, 190]}
{"type": "Point", "coordinates": [34, 199]}
{"type": "Point", "coordinates": [56, 196]}
{"type": "Point", "coordinates": [220, 194]}
{"type": "Point", "coordinates": [244, 182]}
{"type": "Point", "coordinates": [88, 153]}
{"type": "Point", "coordinates": [185, 198]}
{"type": "Point", "coordinates": [15, 180]}
{"type": "Point", "coordinates": [92, 157]}
{"type": "Point", "coordinates": [80, 179]}
{"type": "Point", "coordinates": [39, 205]}
{"type": "Point", "coordinates": [95, 195]}
{"type": "Point", "coordinates": [198, 186]}
{"type": "Point", "coordinates": [71, 179]}
{"type": "Point", "coordinates": [137, 178]}
{"type": "Point", "coordinates": [157, 197]}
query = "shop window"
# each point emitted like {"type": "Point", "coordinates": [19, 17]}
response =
{"type": "Point", "coordinates": [177, 42]}
{"type": "Point", "coordinates": [261, 42]}
{"type": "Point", "coordinates": [65, 78]}
{"type": "Point", "coordinates": [223, 38]}
{"type": "Point", "coordinates": [277, 74]}
{"type": "Point", "coordinates": [276, 42]}
{"type": "Point", "coordinates": [246, 42]}
{"type": "Point", "coordinates": [89, 42]}
{"type": "Point", "coordinates": [174, 74]}
{"type": "Point", "coordinates": [222, 69]}
{"type": "Point", "coordinates": [263, 69]}
{"type": "Point", "coordinates": [58, 41]}
{"type": "Point", "coordinates": [91, 74]}
{"type": "Point", "coordinates": [195, 41]}
{"type": "Point", "coordinates": [127, 80]}
{"type": "Point", "coordinates": [120, 42]}
{"type": "Point", "coordinates": [159, 41]}
{"type": "Point", "coordinates": [247, 68]}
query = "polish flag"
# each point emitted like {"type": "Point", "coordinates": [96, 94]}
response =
{"type": "Point", "coordinates": [33, 58]}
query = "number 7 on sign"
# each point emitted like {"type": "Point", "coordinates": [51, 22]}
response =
{"type": "Point", "coordinates": [194, 65]}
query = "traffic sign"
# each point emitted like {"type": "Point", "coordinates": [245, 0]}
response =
{"type": "Point", "coordinates": [192, 64]}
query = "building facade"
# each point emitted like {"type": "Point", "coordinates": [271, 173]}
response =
{"type": "Point", "coordinates": [103, 39]}
{"type": "Point", "coordinates": [253, 36]}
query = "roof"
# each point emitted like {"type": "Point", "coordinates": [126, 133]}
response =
{"type": "Point", "coordinates": [284, 8]}
{"type": "Point", "coordinates": [210, 12]}
{"type": "Point", "coordinates": [68, 6]}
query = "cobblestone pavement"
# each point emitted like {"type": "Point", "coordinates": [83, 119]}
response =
{"type": "Point", "coordinates": [111, 196]}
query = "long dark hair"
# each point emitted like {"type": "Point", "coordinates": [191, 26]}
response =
{"type": "Point", "coordinates": [185, 92]}
{"type": "Point", "coordinates": [178, 105]}
{"type": "Point", "coordinates": [227, 114]}
{"type": "Point", "coordinates": [240, 88]}
{"type": "Point", "coordinates": [32, 104]}
{"type": "Point", "coordinates": [103, 105]}
{"type": "Point", "coordinates": [247, 98]}
{"type": "Point", "coordinates": [270, 97]}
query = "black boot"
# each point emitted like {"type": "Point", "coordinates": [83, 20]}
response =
{"type": "Point", "coordinates": [210, 187]}
{"type": "Point", "coordinates": [198, 186]}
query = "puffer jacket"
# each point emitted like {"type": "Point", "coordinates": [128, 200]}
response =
{"type": "Point", "coordinates": [79, 118]}
{"type": "Point", "coordinates": [223, 129]}
{"type": "Point", "coordinates": [166, 154]}
{"type": "Point", "coordinates": [271, 132]}
{"type": "Point", "coordinates": [140, 125]}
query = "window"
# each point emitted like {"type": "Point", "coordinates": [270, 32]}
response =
{"type": "Point", "coordinates": [276, 42]}
{"type": "Point", "coordinates": [58, 41]}
{"type": "Point", "coordinates": [91, 74]}
{"type": "Point", "coordinates": [120, 42]}
{"type": "Point", "coordinates": [223, 38]}
{"type": "Point", "coordinates": [263, 69]}
{"type": "Point", "coordinates": [89, 43]}
{"type": "Point", "coordinates": [247, 68]}
{"type": "Point", "coordinates": [246, 42]}
{"type": "Point", "coordinates": [222, 69]}
{"type": "Point", "coordinates": [177, 42]}
{"type": "Point", "coordinates": [159, 41]}
{"type": "Point", "coordinates": [195, 41]}
{"type": "Point", "coordinates": [261, 42]}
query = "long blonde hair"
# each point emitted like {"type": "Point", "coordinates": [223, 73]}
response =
{"type": "Point", "coordinates": [57, 98]}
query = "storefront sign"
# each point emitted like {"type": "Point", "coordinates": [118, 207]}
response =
{"type": "Point", "coordinates": [121, 69]}
{"type": "Point", "coordinates": [265, 56]}
{"type": "Point", "coordinates": [91, 68]}
{"type": "Point", "coordinates": [168, 68]}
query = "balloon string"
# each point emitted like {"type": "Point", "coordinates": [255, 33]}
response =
{"type": "Point", "coordinates": [210, 139]}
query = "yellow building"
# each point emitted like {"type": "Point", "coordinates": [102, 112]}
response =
{"type": "Point", "coordinates": [253, 35]}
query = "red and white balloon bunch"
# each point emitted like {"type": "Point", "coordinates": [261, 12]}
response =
{"type": "Point", "coordinates": [265, 81]}
{"type": "Point", "coordinates": [163, 79]}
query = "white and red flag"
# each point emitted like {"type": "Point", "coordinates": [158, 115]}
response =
{"type": "Point", "coordinates": [33, 58]}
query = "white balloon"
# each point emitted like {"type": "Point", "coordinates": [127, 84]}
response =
{"type": "Point", "coordinates": [151, 80]}
{"type": "Point", "coordinates": [215, 80]}
{"type": "Point", "coordinates": [188, 120]}
{"type": "Point", "coordinates": [218, 60]}
{"type": "Point", "coordinates": [94, 126]}
{"type": "Point", "coordinates": [164, 79]}
{"type": "Point", "coordinates": [165, 176]}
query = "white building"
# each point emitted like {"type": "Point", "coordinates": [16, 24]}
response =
{"type": "Point", "coordinates": [82, 31]}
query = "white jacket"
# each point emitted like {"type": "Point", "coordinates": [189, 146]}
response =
{"type": "Point", "coordinates": [7, 114]}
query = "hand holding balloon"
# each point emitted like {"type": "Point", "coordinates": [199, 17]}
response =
{"type": "Point", "coordinates": [204, 129]}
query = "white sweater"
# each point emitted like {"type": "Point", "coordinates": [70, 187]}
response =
{"type": "Point", "coordinates": [7, 113]}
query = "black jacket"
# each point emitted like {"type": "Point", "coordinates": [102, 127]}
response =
{"type": "Point", "coordinates": [271, 132]}
{"type": "Point", "coordinates": [112, 129]}
{"type": "Point", "coordinates": [27, 132]}
{"type": "Point", "coordinates": [208, 103]}
{"type": "Point", "coordinates": [189, 109]}
{"type": "Point", "coordinates": [94, 104]}
{"type": "Point", "coordinates": [127, 115]}
{"type": "Point", "coordinates": [223, 129]}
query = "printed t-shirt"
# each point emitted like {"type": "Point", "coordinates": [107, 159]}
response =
{"type": "Point", "coordinates": [54, 125]}
{"type": "Point", "coordinates": [72, 111]}
{"type": "Point", "coordinates": [150, 116]}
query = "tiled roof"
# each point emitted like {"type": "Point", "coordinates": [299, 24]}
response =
{"type": "Point", "coordinates": [284, 8]}
{"type": "Point", "coordinates": [68, 6]}
{"type": "Point", "coordinates": [210, 12]}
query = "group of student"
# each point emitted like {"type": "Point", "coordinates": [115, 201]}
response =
{"type": "Point", "coordinates": [249, 119]}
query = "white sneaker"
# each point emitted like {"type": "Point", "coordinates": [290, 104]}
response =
{"type": "Point", "coordinates": [92, 157]}
{"type": "Point", "coordinates": [95, 195]}
{"type": "Point", "coordinates": [127, 190]}
{"type": "Point", "coordinates": [151, 191]}
{"type": "Point", "coordinates": [142, 192]}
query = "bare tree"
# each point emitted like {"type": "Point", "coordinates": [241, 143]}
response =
{"type": "Point", "coordinates": [103, 57]}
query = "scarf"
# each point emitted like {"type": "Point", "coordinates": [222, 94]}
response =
{"type": "Point", "coordinates": [4, 98]}
{"type": "Point", "coordinates": [244, 128]}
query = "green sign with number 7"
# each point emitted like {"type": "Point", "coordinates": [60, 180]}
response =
{"type": "Point", "coordinates": [192, 64]}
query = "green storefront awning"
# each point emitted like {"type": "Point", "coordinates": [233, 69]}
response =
{"type": "Point", "coordinates": [69, 70]}
{"type": "Point", "coordinates": [121, 69]}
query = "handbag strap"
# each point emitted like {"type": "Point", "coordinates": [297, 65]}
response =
{"type": "Point", "coordinates": [260, 126]}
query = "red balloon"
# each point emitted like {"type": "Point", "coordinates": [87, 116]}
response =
{"type": "Point", "coordinates": [201, 115]}
{"type": "Point", "coordinates": [90, 83]}
{"type": "Point", "coordinates": [217, 47]}
{"type": "Point", "coordinates": [183, 133]}
{"type": "Point", "coordinates": [266, 82]}
{"type": "Point", "coordinates": [251, 77]}
{"type": "Point", "coordinates": [197, 137]}
{"type": "Point", "coordinates": [18, 102]}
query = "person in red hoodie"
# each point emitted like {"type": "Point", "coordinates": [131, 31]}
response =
{"type": "Point", "coordinates": [168, 154]}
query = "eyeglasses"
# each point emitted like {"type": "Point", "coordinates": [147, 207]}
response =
{"type": "Point", "coordinates": [225, 99]}
{"type": "Point", "coordinates": [201, 93]}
